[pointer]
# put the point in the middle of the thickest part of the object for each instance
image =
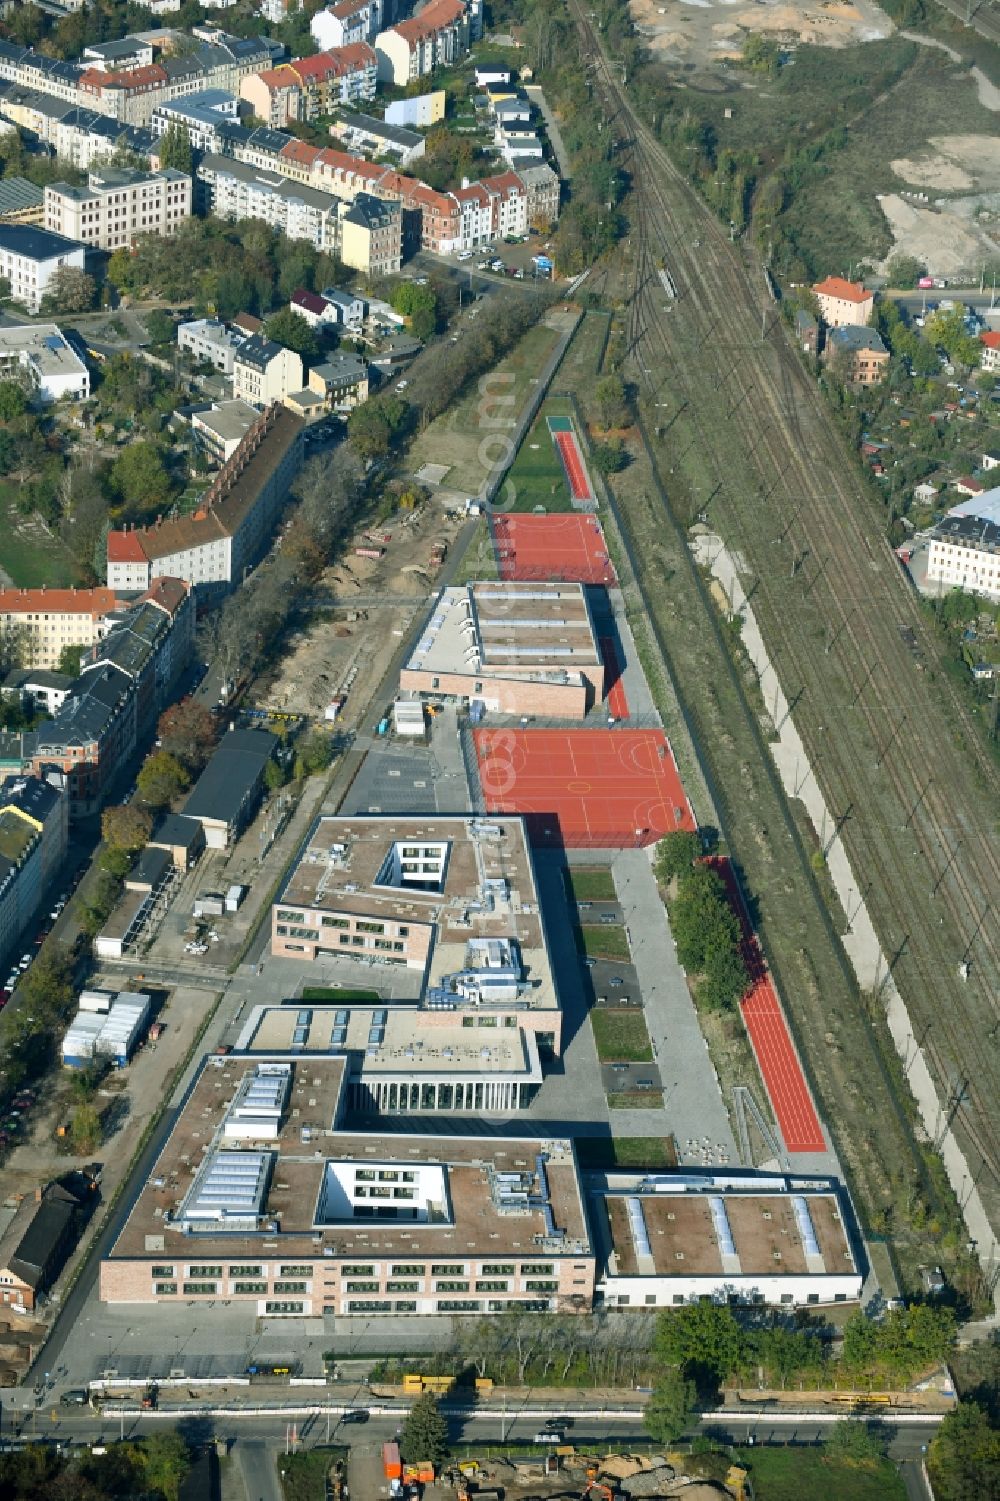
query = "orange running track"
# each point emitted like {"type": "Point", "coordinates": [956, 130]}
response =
{"type": "Point", "coordinates": [576, 475]}
{"type": "Point", "coordinates": [570, 548]}
{"type": "Point", "coordinates": [769, 1036]}
{"type": "Point", "coordinates": [603, 789]}
{"type": "Point", "coordinates": [614, 688]}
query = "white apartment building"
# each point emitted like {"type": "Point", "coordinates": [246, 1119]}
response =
{"type": "Point", "coordinates": [117, 205]}
{"type": "Point", "coordinates": [41, 352]}
{"type": "Point", "coordinates": [844, 303]}
{"type": "Point", "coordinates": [235, 190]}
{"type": "Point", "coordinates": [411, 49]}
{"type": "Point", "coordinates": [30, 257]}
{"type": "Point", "coordinates": [964, 550]}
{"type": "Point", "coordinates": [264, 372]}
{"type": "Point", "coordinates": [350, 21]}
{"type": "Point", "coordinates": [203, 116]}
{"type": "Point", "coordinates": [210, 342]}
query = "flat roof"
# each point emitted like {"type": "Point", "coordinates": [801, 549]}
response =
{"type": "Point", "coordinates": [722, 1227]}
{"type": "Point", "coordinates": [230, 775]}
{"type": "Point", "coordinates": [402, 1048]}
{"type": "Point", "coordinates": [474, 1223]}
{"type": "Point", "coordinates": [229, 421]}
{"type": "Point", "coordinates": [44, 345]}
{"type": "Point", "coordinates": [487, 887]}
{"type": "Point", "coordinates": [509, 628]}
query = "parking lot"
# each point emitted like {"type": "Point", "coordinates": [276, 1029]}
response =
{"type": "Point", "coordinates": [398, 776]}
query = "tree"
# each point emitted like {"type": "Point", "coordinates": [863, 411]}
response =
{"type": "Point", "coordinates": [120, 271]}
{"type": "Point", "coordinates": [69, 290]}
{"type": "Point", "coordinates": [703, 1339]}
{"type": "Point", "coordinates": [904, 271]}
{"type": "Point", "coordinates": [419, 305]}
{"type": "Point", "coordinates": [669, 1409]}
{"type": "Point", "coordinates": [610, 457]}
{"type": "Point", "coordinates": [13, 401]}
{"type": "Point", "coordinates": [291, 329]}
{"type": "Point", "coordinates": [275, 775]}
{"type": "Point", "coordinates": [140, 479]}
{"type": "Point", "coordinates": [761, 53]}
{"type": "Point", "coordinates": [159, 326]}
{"type": "Point", "coordinates": [964, 1458]}
{"type": "Point", "coordinates": [166, 1461]}
{"type": "Point", "coordinates": [612, 401]}
{"type": "Point", "coordinates": [850, 1439]}
{"type": "Point", "coordinates": [161, 779]}
{"type": "Point", "coordinates": [175, 148]}
{"type": "Point", "coordinates": [725, 978]}
{"type": "Point", "coordinates": [425, 1432]}
{"type": "Point", "coordinates": [675, 855]}
{"type": "Point", "coordinates": [47, 988]}
{"type": "Point", "coordinates": [701, 918]}
{"type": "Point", "coordinates": [374, 424]}
{"type": "Point", "coordinates": [126, 826]}
{"type": "Point", "coordinates": [69, 661]}
{"type": "Point", "coordinates": [188, 731]}
{"type": "Point", "coordinates": [315, 754]}
{"type": "Point", "coordinates": [85, 1130]}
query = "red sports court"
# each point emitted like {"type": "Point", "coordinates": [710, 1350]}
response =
{"type": "Point", "coordinates": [614, 688]}
{"type": "Point", "coordinates": [562, 434]}
{"type": "Point", "coordinates": [770, 1039]}
{"type": "Point", "coordinates": [569, 548]}
{"type": "Point", "coordinates": [601, 789]}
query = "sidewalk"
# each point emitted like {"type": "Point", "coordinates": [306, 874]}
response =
{"type": "Point", "coordinates": [559, 151]}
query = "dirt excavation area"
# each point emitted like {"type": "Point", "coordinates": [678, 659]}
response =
{"type": "Point", "coordinates": [703, 32]}
{"type": "Point", "coordinates": [951, 235]}
{"type": "Point", "coordinates": [363, 607]}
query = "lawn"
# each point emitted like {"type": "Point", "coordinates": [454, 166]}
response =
{"type": "Point", "coordinates": [636, 1099]}
{"type": "Point", "coordinates": [470, 435]}
{"type": "Point", "coordinates": [479, 561]}
{"type": "Point", "coordinates": [303, 1476]}
{"type": "Point", "coordinates": [606, 941]}
{"type": "Point", "coordinates": [781, 1474]}
{"type": "Point", "coordinates": [537, 473]}
{"type": "Point", "coordinates": [579, 369]}
{"type": "Point", "coordinates": [27, 552]}
{"type": "Point", "coordinates": [620, 1035]}
{"type": "Point", "coordinates": [625, 1151]}
{"type": "Point", "coordinates": [588, 884]}
{"type": "Point", "coordinates": [332, 995]}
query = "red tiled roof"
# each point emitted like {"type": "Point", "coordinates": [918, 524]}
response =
{"type": "Point", "coordinates": [310, 300]}
{"type": "Point", "coordinates": [58, 601]}
{"type": "Point", "coordinates": [991, 340]}
{"type": "Point", "coordinates": [282, 77]}
{"type": "Point", "coordinates": [432, 18]}
{"type": "Point", "coordinates": [168, 593]}
{"type": "Point", "coordinates": [136, 78]}
{"type": "Point", "coordinates": [300, 151]}
{"type": "Point", "coordinates": [336, 63]}
{"type": "Point", "coordinates": [125, 547]}
{"type": "Point", "coordinates": [846, 291]}
{"type": "Point", "coordinates": [504, 182]}
{"type": "Point", "coordinates": [348, 8]}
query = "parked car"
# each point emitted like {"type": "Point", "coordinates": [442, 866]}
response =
{"type": "Point", "coordinates": [77, 1397]}
{"type": "Point", "coordinates": [549, 1436]}
{"type": "Point", "coordinates": [356, 1415]}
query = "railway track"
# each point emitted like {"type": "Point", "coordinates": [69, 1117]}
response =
{"type": "Point", "coordinates": [933, 909]}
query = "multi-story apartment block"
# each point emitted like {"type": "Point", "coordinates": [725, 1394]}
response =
{"type": "Point", "coordinates": [264, 372]}
{"type": "Point", "coordinates": [964, 551]}
{"type": "Point", "coordinates": [47, 620]}
{"type": "Point", "coordinates": [33, 70]}
{"type": "Point", "coordinates": [86, 138]}
{"type": "Point", "coordinates": [371, 236]}
{"type": "Point", "coordinates": [209, 342]}
{"type": "Point", "coordinates": [21, 202]}
{"type": "Point", "coordinates": [34, 827]}
{"type": "Point", "coordinates": [367, 133]}
{"type": "Point", "coordinates": [843, 303]}
{"type": "Point", "coordinates": [341, 381]}
{"type": "Point", "coordinates": [221, 430]}
{"type": "Point", "coordinates": [310, 87]}
{"type": "Point", "coordinates": [202, 116]}
{"type": "Point", "coordinates": [130, 676]}
{"type": "Point", "coordinates": [130, 95]}
{"type": "Point", "coordinates": [30, 257]}
{"type": "Point", "coordinates": [435, 38]}
{"type": "Point", "coordinates": [234, 521]}
{"type": "Point", "coordinates": [542, 187]}
{"type": "Point", "coordinates": [864, 357]}
{"type": "Point", "coordinates": [349, 21]}
{"type": "Point", "coordinates": [235, 190]}
{"type": "Point", "coordinates": [117, 205]}
{"type": "Point", "coordinates": [40, 354]}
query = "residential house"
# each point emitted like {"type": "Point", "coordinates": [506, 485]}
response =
{"type": "Point", "coordinates": [308, 88]}
{"type": "Point", "coordinates": [209, 342]}
{"type": "Point", "coordinates": [924, 493]}
{"type": "Point", "coordinates": [421, 110]}
{"type": "Point", "coordinates": [317, 311]}
{"type": "Point", "coordinates": [46, 621]}
{"type": "Point", "coordinates": [30, 257]}
{"type": "Point", "coordinates": [233, 524]}
{"type": "Point", "coordinates": [542, 187]}
{"type": "Point", "coordinates": [341, 381]}
{"type": "Point", "coordinates": [968, 484]}
{"type": "Point", "coordinates": [38, 689]}
{"type": "Point", "coordinates": [40, 355]}
{"type": "Point", "coordinates": [350, 309]}
{"type": "Point", "coordinates": [435, 38]}
{"type": "Point", "coordinates": [844, 303]}
{"type": "Point", "coordinates": [264, 372]}
{"type": "Point", "coordinates": [371, 236]}
{"type": "Point", "coordinates": [964, 549]}
{"type": "Point", "coordinates": [861, 353]}
{"type": "Point", "coordinates": [990, 358]}
{"type": "Point", "coordinates": [221, 430]}
{"type": "Point", "coordinates": [366, 133]}
{"type": "Point", "coordinates": [349, 21]}
{"type": "Point", "coordinates": [990, 459]}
